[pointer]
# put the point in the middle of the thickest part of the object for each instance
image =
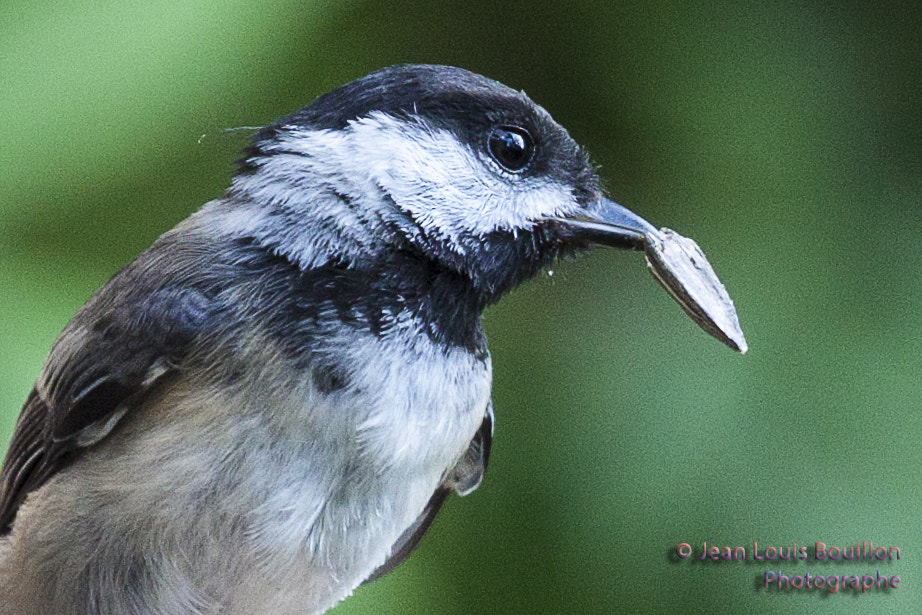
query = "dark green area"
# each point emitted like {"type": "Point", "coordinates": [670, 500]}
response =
{"type": "Point", "coordinates": [786, 138]}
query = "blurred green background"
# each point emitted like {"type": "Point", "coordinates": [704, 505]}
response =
{"type": "Point", "coordinates": [786, 138]}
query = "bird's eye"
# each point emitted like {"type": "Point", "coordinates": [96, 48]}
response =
{"type": "Point", "coordinates": [511, 147]}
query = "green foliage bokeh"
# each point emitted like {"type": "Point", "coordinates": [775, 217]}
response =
{"type": "Point", "coordinates": [786, 138]}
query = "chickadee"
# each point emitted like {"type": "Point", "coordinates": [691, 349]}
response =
{"type": "Point", "coordinates": [269, 406]}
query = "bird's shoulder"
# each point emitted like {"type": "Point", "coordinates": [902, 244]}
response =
{"type": "Point", "coordinates": [131, 333]}
{"type": "Point", "coordinates": [173, 301]}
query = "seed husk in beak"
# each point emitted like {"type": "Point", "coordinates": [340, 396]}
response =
{"type": "Point", "coordinates": [680, 266]}
{"type": "Point", "coordinates": [676, 262]}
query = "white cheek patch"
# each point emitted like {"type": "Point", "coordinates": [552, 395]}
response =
{"type": "Point", "coordinates": [449, 190]}
{"type": "Point", "coordinates": [332, 209]}
{"type": "Point", "coordinates": [445, 186]}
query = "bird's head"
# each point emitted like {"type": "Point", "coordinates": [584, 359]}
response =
{"type": "Point", "coordinates": [435, 161]}
{"type": "Point", "coordinates": [440, 168]}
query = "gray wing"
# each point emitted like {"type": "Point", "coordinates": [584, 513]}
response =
{"type": "Point", "coordinates": [463, 479]}
{"type": "Point", "coordinates": [122, 341]}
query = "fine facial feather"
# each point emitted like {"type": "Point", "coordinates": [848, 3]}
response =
{"type": "Point", "coordinates": [449, 188]}
{"type": "Point", "coordinates": [385, 182]}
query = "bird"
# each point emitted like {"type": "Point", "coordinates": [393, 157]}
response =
{"type": "Point", "coordinates": [269, 406]}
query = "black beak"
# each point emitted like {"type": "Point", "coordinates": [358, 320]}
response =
{"type": "Point", "coordinates": [609, 224]}
{"type": "Point", "coordinates": [676, 262]}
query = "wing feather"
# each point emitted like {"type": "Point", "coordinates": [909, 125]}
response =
{"type": "Point", "coordinates": [112, 351]}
